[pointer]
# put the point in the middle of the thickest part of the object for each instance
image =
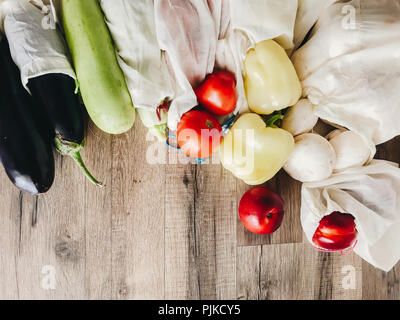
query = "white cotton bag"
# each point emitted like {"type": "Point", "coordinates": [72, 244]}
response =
{"type": "Point", "coordinates": [372, 195]}
{"type": "Point", "coordinates": [188, 32]}
{"type": "Point", "coordinates": [262, 20]}
{"type": "Point", "coordinates": [200, 35]}
{"type": "Point", "coordinates": [36, 46]}
{"type": "Point", "coordinates": [350, 68]}
{"type": "Point", "coordinates": [132, 26]}
{"type": "Point", "coordinates": [307, 15]}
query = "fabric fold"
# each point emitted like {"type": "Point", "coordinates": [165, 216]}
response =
{"type": "Point", "coordinates": [371, 195]}
{"type": "Point", "coordinates": [36, 48]}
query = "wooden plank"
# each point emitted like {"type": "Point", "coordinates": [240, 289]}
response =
{"type": "Point", "coordinates": [138, 197]}
{"type": "Point", "coordinates": [248, 272]}
{"type": "Point", "coordinates": [380, 285]}
{"type": "Point", "coordinates": [50, 233]}
{"type": "Point", "coordinates": [296, 271]}
{"type": "Point", "coordinates": [200, 242]}
{"type": "Point", "coordinates": [282, 272]}
{"type": "Point", "coordinates": [10, 224]}
{"type": "Point", "coordinates": [290, 230]}
{"type": "Point", "coordinates": [53, 236]}
{"type": "Point", "coordinates": [24, 210]}
{"type": "Point", "coordinates": [98, 157]}
{"type": "Point", "coordinates": [339, 277]}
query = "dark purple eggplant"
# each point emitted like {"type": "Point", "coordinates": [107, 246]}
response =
{"type": "Point", "coordinates": [55, 93]}
{"type": "Point", "coordinates": [25, 147]}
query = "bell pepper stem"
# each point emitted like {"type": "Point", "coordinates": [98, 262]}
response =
{"type": "Point", "coordinates": [276, 117]}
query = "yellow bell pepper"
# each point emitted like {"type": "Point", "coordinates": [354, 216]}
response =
{"type": "Point", "coordinates": [254, 152]}
{"type": "Point", "coordinates": [271, 81]}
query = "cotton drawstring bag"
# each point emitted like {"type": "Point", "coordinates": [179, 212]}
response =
{"type": "Point", "coordinates": [201, 35]}
{"type": "Point", "coordinates": [132, 27]}
{"type": "Point", "coordinates": [36, 46]}
{"type": "Point", "coordinates": [307, 15]}
{"type": "Point", "coordinates": [372, 195]}
{"type": "Point", "coordinates": [187, 32]}
{"type": "Point", "coordinates": [251, 22]}
{"type": "Point", "coordinates": [197, 37]}
{"type": "Point", "coordinates": [350, 68]}
{"type": "Point", "coordinates": [260, 20]}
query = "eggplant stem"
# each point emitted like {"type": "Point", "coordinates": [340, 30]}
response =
{"type": "Point", "coordinates": [76, 87]}
{"type": "Point", "coordinates": [72, 150]}
{"type": "Point", "coordinates": [78, 159]}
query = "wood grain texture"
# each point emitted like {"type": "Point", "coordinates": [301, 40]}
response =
{"type": "Point", "coordinates": [10, 226]}
{"type": "Point", "coordinates": [138, 192]}
{"type": "Point", "coordinates": [200, 227]}
{"type": "Point", "coordinates": [296, 272]}
{"type": "Point", "coordinates": [98, 221]}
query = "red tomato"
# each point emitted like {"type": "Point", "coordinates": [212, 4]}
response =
{"type": "Point", "coordinates": [218, 93]}
{"type": "Point", "coordinates": [336, 231]}
{"type": "Point", "coordinates": [199, 134]}
{"type": "Point", "coordinates": [261, 210]}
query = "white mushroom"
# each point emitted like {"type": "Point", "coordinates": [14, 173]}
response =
{"type": "Point", "coordinates": [313, 158]}
{"type": "Point", "coordinates": [350, 148]}
{"type": "Point", "coordinates": [300, 118]}
{"type": "Point", "coordinates": [333, 134]}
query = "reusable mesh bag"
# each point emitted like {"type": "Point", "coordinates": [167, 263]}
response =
{"type": "Point", "coordinates": [350, 68]}
{"type": "Point", "coordinates": [132, 27]}
{"type": "Point", "coordinates": [200, 35]}
{"type": "Point", "coordinates": [372, 195]}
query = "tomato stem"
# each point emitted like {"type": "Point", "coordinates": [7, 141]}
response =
{"type": "Point", "coordinates": [209, 124]}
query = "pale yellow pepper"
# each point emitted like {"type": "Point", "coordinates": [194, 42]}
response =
{"type": "Point", "coordinates": [254, 152]}
{"type": "Point", "coordinates": [271, 81]}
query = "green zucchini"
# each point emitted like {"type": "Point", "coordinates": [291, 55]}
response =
{"type": "Point", "coordinates": [101, 81]}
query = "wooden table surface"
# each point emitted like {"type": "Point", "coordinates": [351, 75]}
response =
{"type": "Point", "coordinates": [164, 232]}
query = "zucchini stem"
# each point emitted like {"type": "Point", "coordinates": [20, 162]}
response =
{"type": "Point", "coordinates": [72, 150]}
